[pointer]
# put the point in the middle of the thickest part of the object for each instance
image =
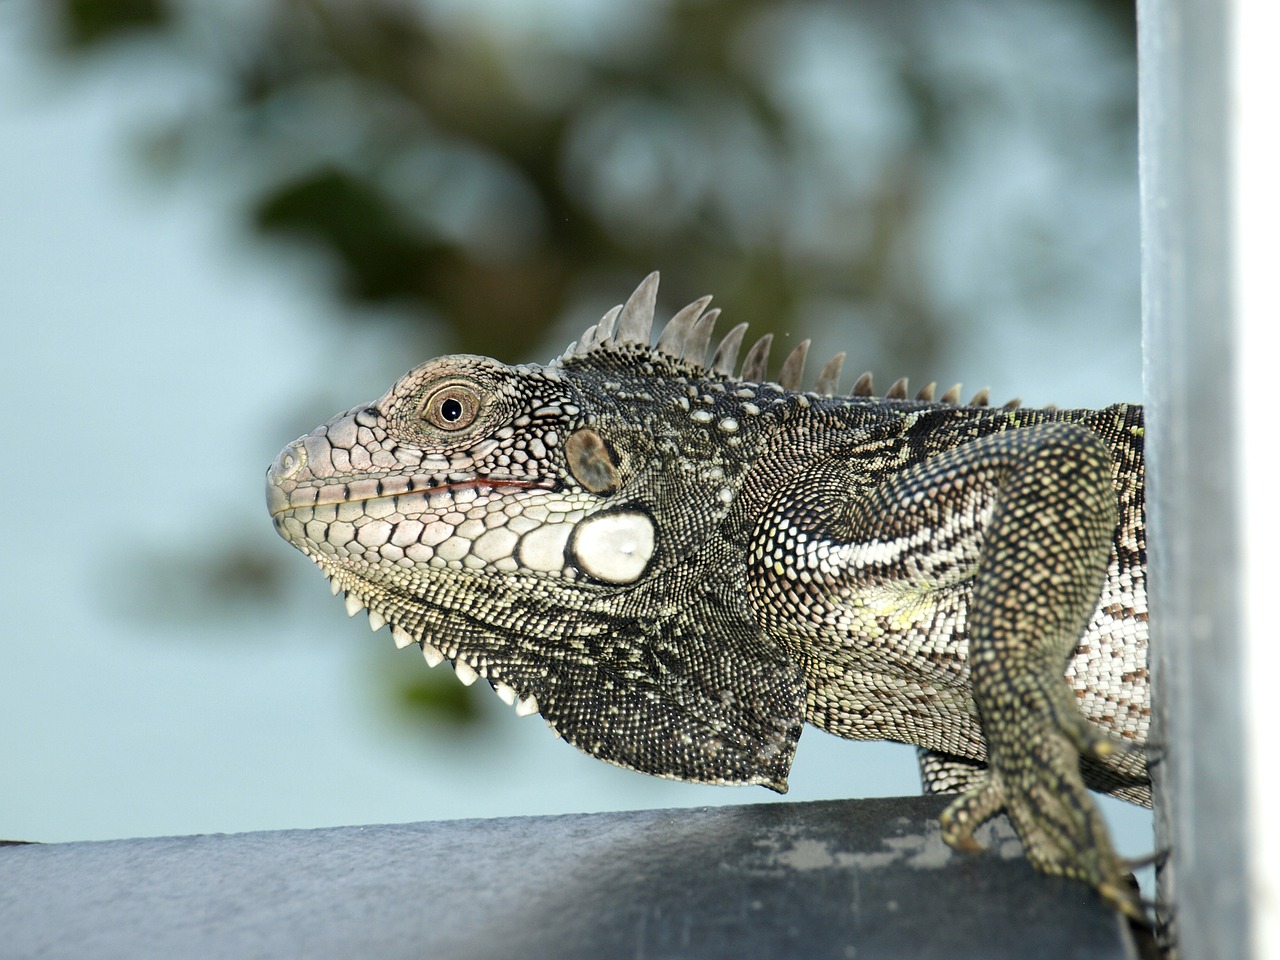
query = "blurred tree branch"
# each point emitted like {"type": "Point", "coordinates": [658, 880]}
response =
{"type": "Point", "coordinates": [87, 23]}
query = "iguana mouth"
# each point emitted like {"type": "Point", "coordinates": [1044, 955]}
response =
{"type": "Point", "coordinates": [339, 494]}
{"type": "Point", "coordinates": [289, 486]}
{"type": "Point", "coordinates": [455, 519]}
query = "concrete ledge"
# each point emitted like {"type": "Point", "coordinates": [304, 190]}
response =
{"type": "Point", "coordinates": [842, 879]}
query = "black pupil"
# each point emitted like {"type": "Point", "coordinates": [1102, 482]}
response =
{"type": "Point", "coordinates": [451, 410]}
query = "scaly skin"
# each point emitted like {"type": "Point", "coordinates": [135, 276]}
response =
{"type": "Point", "coordinates": [677, 567]}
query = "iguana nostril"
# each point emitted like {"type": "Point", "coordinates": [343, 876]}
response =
{"type": "Point", "coordinates": [283, 469]}
{"type": "Point", "coordinates": [289, 461]}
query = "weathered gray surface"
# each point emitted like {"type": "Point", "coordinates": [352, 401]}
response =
{"type": "Point", "coordinates": [841, 879]}
{"type": "Point", "coordinates": [1190, 117]}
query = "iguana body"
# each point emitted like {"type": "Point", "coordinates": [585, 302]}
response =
{"type": "Point", "coordinates": [678, 566]}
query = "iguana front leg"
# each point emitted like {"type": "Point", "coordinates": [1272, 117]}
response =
{"type": "Point", "coordinates": [940, 607]}
{"type": "Point", "coordinates": [1043, 561]}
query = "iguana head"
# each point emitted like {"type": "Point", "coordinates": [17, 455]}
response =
{"type": "Point", "coordinates": [560, 530]}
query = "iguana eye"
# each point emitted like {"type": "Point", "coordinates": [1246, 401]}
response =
{"type": "Point", "coordinates": [451, 407]}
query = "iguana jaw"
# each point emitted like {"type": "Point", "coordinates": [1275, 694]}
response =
{"type": "Point", "coordinates": [295, 481]}
{"type": "Point", "coordinates": [367, 491]}
{"type": "Point", "coordinates": [323, 515]}
{"type": "Point", "coordinates": [437, 524]}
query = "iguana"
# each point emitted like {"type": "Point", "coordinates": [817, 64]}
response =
{"type": "Point", "coordinates": [678, 566]}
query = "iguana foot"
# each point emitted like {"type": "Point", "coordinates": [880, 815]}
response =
{"type": "Point", "coordinates": [1039, 785]}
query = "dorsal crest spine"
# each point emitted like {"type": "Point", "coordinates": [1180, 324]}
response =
{"type": "Point", "coordinates": [686, 337]}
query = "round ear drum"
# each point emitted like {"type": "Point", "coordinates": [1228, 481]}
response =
{"type": "Point", "coordinates": [591, 463]}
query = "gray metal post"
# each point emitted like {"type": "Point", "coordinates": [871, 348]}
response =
{"type": "Point", "coordinates": [1188, 118]}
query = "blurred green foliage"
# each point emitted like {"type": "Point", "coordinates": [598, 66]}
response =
{"type": "Point", "coordinates": [86, 23]}
{"type": "Point", "coordinates": [438, 696]}
{"type": "Point", "coordinates": [494, 166]}
{"type": "Point", "coordinates": [383, 255]}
